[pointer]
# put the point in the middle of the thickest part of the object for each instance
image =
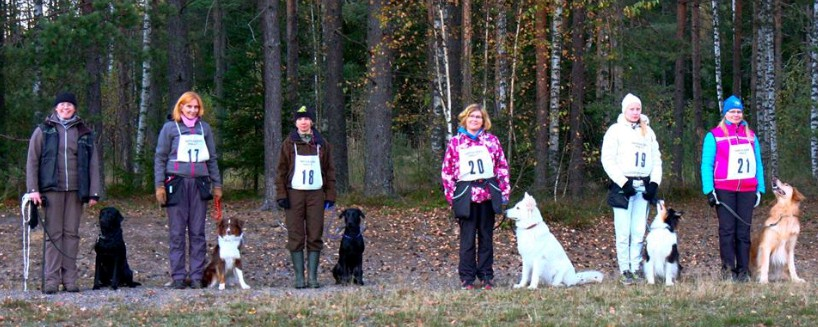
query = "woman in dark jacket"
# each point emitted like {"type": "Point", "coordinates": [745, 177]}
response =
{"type": "Point", "coordinates": [62, 170]}
{"type": "Point", "coordinates": [306, 187]}
{"type": "Point", "coordinates": [185, 167]}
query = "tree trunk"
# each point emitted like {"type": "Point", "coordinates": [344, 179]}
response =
{"type": "Point", "coordinates": [272, 98]}
{"type": "Point", "coordinates": [93, 94]}
{"type": "Point", "coordinates": [541, 53]}
{"type": "Point", "coordinates": [737, 47]}
{"type": "Point", "coordinates": [717, 52]}
{"type": "Point", "coordinates": [767, 78]}
{"type": "Point", "coordinates": [145, 92]}
{"type": "Point", "coordinates": [334, 94]}
{"type": "Point", "coordinates": [292, 54]}
{"type": "Point", "coordinates": [440, 126]}
{"type": "Point", "coordinates": [3, 110]}
{"type": "Point", "coordinates": [467, 53]}
{"type": "Point", "coordinates": [219, 60]}
{"type": "Point", "coordinates": [554, 97]}
{"type": "Point", "coordinates": [813, 72]}
{"type": "Point", "coordinates": [180, 67]}
{"type": "Point", "coordinates": [577, 161]}
{"type": "Point", "coordinates": [618, 78]}
{"type": "Point", "coordinates": [378, 173]}
{"type": "Point", "coordinates": [36, 87]}
{"type": "Point", "coordinates": [603, 52]}
{"type": "Point", "coordinates": [678, 94]}
{"type": "Point", "coordinates": [454, 57]}
{"type": "Point", "coordinates": [696, 56]}
{"type": "Point", "coordinates": [501, 70]}
{"type": "Point", "coordinates": [125, 114]}
{"type": "Point", "coordinates": [779, 39]}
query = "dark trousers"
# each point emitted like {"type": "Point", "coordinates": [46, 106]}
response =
{"type": "Point", "coordinates": [187, 217]}
{"type": "Point", "coordinates": [734, 234]}
{"type": "Point", "coordinates": [305, 220]}
{"type": "Point", "coordinates": [62, 222]}
{"type": "Point", "coordinates": [480, 225]}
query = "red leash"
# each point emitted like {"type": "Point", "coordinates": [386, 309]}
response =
{"type": "Point", "coordinates": [217, 210]}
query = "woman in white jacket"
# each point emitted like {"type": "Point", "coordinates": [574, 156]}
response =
{"type": "Point", "coordinates": [631, 158]}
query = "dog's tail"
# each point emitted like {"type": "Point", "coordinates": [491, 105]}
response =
{"type": "Point", "coordinates": [589, 276]}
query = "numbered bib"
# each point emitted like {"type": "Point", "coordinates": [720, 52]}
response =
{"type": "Point", "coordinates": [636, 158]}
{"type": "Point", "coordinates": [741, 162]}
{"type": "Point", "coordinates": [307, 174]}
{"type": "Point", "coordinates": [475, 163]}
{"type": "Point", "coordinates": [192, 147]}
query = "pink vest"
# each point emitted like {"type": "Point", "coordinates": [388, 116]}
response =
{"type": "Point", "coordinates": [736, 134]}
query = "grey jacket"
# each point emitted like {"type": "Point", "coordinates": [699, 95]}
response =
{"type": "Point", "coordinates": [67, 172]}
{"type": "Point", "coordinates": [164, 161]}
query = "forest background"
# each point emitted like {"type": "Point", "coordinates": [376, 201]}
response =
{"type": "Point", "coordinates": [387, 79]}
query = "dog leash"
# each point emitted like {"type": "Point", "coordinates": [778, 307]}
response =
{"type": "Point", "coordinates": [735, 214]}
{"type": "Point", "coordinates": [217, 210]}
{"type": "Point", "coordinates": [25, 208]}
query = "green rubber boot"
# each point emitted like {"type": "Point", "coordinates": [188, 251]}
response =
{"type": "Point", "coordinates": [312, 260]}
{"type": "Point", "coordinates": [298, 266]}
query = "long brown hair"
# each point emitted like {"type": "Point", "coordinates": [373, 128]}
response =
{"type": "Point", "coordinates": [185, 98]}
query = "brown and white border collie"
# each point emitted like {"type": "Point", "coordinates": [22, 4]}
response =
{"type": "Point", "coordinates": [226, 257]}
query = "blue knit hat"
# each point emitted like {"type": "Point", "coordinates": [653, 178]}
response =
{"type": "Point", "coordinates": [733, 102]}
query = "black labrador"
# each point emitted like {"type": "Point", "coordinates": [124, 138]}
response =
{"type": "Point", "coordinates": [111, 268]}
{"type": "Point", "coordinates": [351, 253]}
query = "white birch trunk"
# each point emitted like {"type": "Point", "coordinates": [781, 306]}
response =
{"type": "Point", "coordinates": [554, 109]}
{"type": "Point", "coordinates": [440, 110]}
{"type": "Point", "coordinates": [38, 48]}
{"type": "Point", "coordinates": [144, 97]}
{"type": "Point", "coordinates": [813, 71]}
{"type": "Point", "coordinates": [442, 65]}
{"type": "Point", "coordinates": [717, 52]}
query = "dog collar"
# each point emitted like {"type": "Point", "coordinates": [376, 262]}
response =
{"type": "Point", "coordinates": [534, 225]}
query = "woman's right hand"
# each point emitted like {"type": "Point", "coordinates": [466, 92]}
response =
{"type": "Point", "coordinates": [35, 198]}
{"type": "Point", "coordinates": [161, 195]}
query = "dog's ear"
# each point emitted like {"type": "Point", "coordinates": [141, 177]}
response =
{"type": "Point", "coordinates": [343, 213]}
{"type": "Point", "coordinates": [797, 196]}
{"type": "Point", "coordinates": [362, 214]}
{"type": "Point", "coordinates": [119, 216]}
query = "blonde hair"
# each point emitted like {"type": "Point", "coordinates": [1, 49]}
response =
{"type": "Point", "coordinates": [723, 125]}
{"type": "Point", "coordinates": [184, 99]}
{"type": "Point", "coordinates": [471, 108]}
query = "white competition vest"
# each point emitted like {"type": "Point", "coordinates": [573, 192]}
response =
{"type": "Point", "coordinates": [229, 246]}
{"type": "Point", "coordinates": [192, 147]}
{"type": "Point", "coordinates": [307, 174]}
{"type": "Point", "coordinates": [741, 162]}
{"type": "Point", "coordinates": [475, 163]}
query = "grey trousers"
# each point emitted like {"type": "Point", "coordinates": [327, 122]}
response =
{"type": "Point", "coordinates": [187, 219]}
{"type": "Point", "coordinates": [62, 223]}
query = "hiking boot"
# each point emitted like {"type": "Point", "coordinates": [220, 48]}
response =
{"type": "Point", "coordinates": [627, 278]}
{"type": "Point", "coordinates": [196, 284]}
{"type": "Point", "coordinates": [71, 288]}
{"type": "Point", "coordinates": [178, 284]}
{"type": "Point", "coordinates": [51, 289]}
{"type": "Point", "coordinates": [742, 277]}
{"type": "Point", "coordinates": [488, 285]}
{"type": "Point", "coordinates": [464, 285]}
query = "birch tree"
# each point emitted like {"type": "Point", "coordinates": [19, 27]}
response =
{"type": "Point", "coordinates": [554, 97]}
{"type": "Point", "coordinates": [272, 98]}
{"type": "Point", "coordinates": [813, 72]}
{"type": "Point", "coordinates": [442, 127]}
{"type": "Point", "coordinates": [145, 89]}
{"type": "Point", "coordinates": [766, 89]}
{"type": "Point", "coordinates": [717, 52]}
{"type": "Point", "coordinates": [38, 48]}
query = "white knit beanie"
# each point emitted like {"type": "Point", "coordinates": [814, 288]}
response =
{"type": "Point", "coordinates": [628, 100]}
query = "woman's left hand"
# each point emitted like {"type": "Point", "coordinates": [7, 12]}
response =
{"type": "Point", "coordinates": [91, 202]}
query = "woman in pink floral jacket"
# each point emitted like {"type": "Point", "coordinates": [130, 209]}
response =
{"type": "Point", "coordinates": [476, 184]}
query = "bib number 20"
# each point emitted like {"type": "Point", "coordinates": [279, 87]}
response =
{"type": "Point", "coordinates": [479, 167]}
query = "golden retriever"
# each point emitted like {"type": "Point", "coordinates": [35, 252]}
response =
{"type": "Point", "coordinates": [774, 246]}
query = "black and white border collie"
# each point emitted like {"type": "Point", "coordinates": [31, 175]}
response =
{"type": "Point", "coordinates": [662, 253]}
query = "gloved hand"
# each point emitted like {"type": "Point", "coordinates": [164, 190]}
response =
{"type": "Point", "coordinates": [283, 203]}
{"type": "Point", "coordinates": [329, 204]}
{"type": "Point", "coordinates": [758, 199]}
{"type": "Point", "coordinates": [650, 192]}
{"type": "Point", "coordinates": [217, 193]}
{"type": "Point", "coordinates": [161, 195]}
{"type": "Point", "coordinates": [712, 200]}
{"type": "Point", "coordinates": [628, 188]}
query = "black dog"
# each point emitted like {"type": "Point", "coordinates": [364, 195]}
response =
{"type": "Point", "coordinates": [351, 252]}
{"type": "Point", "coordinates": [111, 267]}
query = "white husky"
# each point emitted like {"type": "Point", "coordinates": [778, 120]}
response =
{"type": "Point", "coordinates": [544, 259]}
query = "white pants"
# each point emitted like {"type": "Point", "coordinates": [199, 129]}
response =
{"type": "Point", "coordinates": [630, 225]}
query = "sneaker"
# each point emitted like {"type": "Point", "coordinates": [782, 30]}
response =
{"type": "Point", "coordinates": [627, 278]}
{"type": "Point", "coordinates": [466, 285]}
{"type": "Point", "coordinates": [178, 284]}
{"type": "Point", "coordinates": [488, 285]}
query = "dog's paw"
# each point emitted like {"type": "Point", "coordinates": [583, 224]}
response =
{"type": "Point", "coordinates": [532, 287]}
{"type": "Point", "coordinates": [221, 287]}
{"type": "Point", "coordinates": [799, 280]}
{"type": "Point", "coordinates": [519, 285]}
{"type": "Point", "coordinates": [245, 287]}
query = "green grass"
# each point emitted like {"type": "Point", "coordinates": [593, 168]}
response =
{"type": "Point", "coordinates": [693, 303]}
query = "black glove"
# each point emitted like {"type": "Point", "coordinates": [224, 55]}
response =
{"type": "Point", "coordinates": [283, 203]}
{"type": "Point", "coordinates": [628, 189]}
{"type": "Point", "coordinates": [650, 192]}
{"type": "Point", "coordinates": [712, 200]}
{"type": "Point", "coordinates": [329, 204]}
